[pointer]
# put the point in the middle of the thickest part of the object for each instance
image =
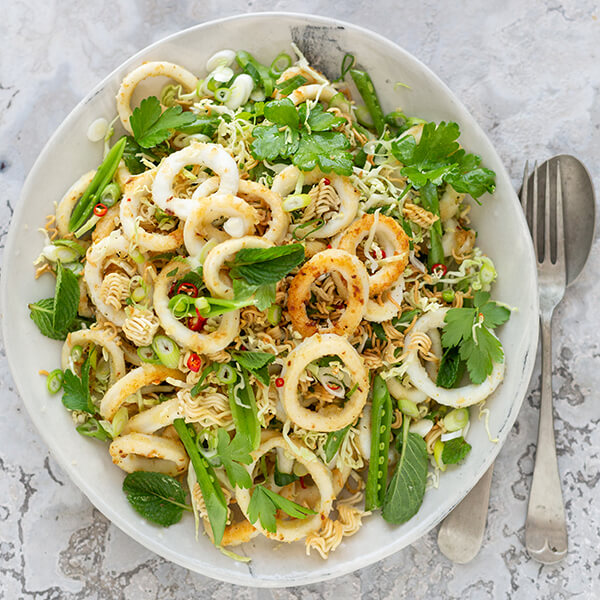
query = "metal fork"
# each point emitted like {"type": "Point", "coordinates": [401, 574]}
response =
{"type": "Point", "coordinates": [545, 526]}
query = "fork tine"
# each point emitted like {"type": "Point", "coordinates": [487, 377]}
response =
{"type": "Point", "coordinates": [534, 217]}
{"type": "Point", "coordinates": [524, 193]}
{"type": "Point", "coordinates": [547, 211]}
{"type": "Point", "coordinates": [560, 230]}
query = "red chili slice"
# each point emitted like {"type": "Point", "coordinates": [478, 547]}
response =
{"type": "Point", "coordinates": [333, 386]}
{"type": "Point", "coordinates": [374, 253]}
{"type": "Point", "coordinates": [189, 289]}
{"type": "Point", "coordinates": [100, 209]}
{"type": "Point", "coordinates": [279, 382]}
{"type": "Point", "coordinates": [302, 484]}
{"type": "Point", "coordinates": [196, 323]}
{"type": "Point", "coordinates": [326, 181]}
{"type": "Point", "coordinates": [439, 267]}
{"type": "Point", "coordinates": [194, 362]}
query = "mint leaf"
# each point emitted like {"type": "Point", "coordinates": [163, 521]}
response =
{"type": "Point", "coordinates": [42, 314]}
{"type": "Point", "coordinates": [157, 497]}
{"type": "Point", "coordinates": [151, 127]}
{"type": "Point", "coordinates": [265, 296]}
{"type": "Point", "coordinates": [66, 298]}
{"type": "Point", "coordinates": [455, 450]}
{"type": "Point", "coordinates": [76, 390]}
{"type": "Point", "coordinates": [259, 266]}
{"type": "Point", "coordinates": [450, 369]}
{"type": "Point", "coordinates": [255, 362]}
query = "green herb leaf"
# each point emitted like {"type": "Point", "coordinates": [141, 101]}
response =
{"type": "Point", "coordinates": [327, 150]}
{"type": "Point", "coordinates": [132, 156]}
{"type": "Point", "coordinates": [76, 390]}
{"type": "Point", "coordinates": [93, 428]}
{"type": "Point", "coordinates": [66, 298]}
{"type": "Point", "coordinates": [455, 450]}
{"type": "Point", "coordinates": [406, 490]}
{"type": "Point", "coordinates": [334, 441]}
{"type": "Point", "coordinates": [270, 143]}
{"type": "Point", "coordinates": [157, 497]}
{"type": "Point", "coordinates": [233, 454]}
{"type": "Point", "coordinates": [265, 503]}
{"type": "Point", "coordinates": [242, 403]}
{"type": "Point", "coordinates": [283, 479]}
{"type": "Point", "coordinates": [255, 362]}
{"type": "Point", "coordinates": [283, 113]}
{"type": "Point", "coordinates": [151, 127]}
{"type": "Point", "coordinates": [450, 369]}
{"type": "Point", "coordinates": [259, 266]}
{"type": "Point", "coordinates": [289, 85]}
{"type": "Point", "coordinates": [42, 314]}
{"type": "Point", "coordinates": [317, 119]}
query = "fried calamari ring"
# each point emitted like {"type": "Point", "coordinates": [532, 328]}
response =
{"type": "Point", "coordinates": [313, 91]}
{"type": "Point", "coordinates": [354, 274]}
{"type": "Point", "coordinates": [199, 227]}
{"type": "Point", "coordinates": [157, 417]}
{"type": "Point", "coordinates": [100, 337]}
{"type": "Point", "coordinates": [330, 417]}
{"type": "Point", "coordinates": [135, 380]}
{"type": "Point", "coordinates": [143, 452]}
{"type": "Point", "coordinates": [279, 222]}
{"type": "Point", "coordinates": [285, 183]}
{"type": "Point", "coordinates": [213, 156]}
{"type": "Point", "coordinates": [203, 343]}
{"type": "Point", "coordinates": [291, 530]}
{"type": "Point", "coordinates": [221, 286]}
{"type": "Point", "coordinates": [156, 241]}
{"type": "Point", "coordinates": [69, 200]}
{"type": "Point", "coordinates": [393, 241]}
{"type": "Point", "coordinates": [150, 69]}
{"type": "Point", "coordinates": [107, 224]}
{"type": "Point", "coordinates": [96, 255]}
{"type": "Point", "coordinates": [389, 309]}
{"type": "Point", "coordinates": [458, 397]}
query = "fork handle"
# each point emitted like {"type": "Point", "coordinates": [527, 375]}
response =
{"type": "Point", "coordinates": [546, 527]}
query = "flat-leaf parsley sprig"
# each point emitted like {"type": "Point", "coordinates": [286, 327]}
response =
{"type": "Point", "coordinates": [470, 329]}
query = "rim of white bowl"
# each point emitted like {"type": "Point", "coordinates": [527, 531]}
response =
{"type": "Point", "coordinates": [91, 493]}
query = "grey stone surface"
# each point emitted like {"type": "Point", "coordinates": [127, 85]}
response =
{"type": "Point", "coordinates": [529, 73]}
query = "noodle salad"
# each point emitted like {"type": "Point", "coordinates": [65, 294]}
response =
{"type": "Point", "coordinates": [272, 305]}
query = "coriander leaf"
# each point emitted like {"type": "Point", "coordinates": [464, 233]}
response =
{"type": "Point", "coordinates": [405, 492]}
{"type": "Point", "coordinates": [328, 150]}
{"type": "Point", "coordinates": [265, 503]}
{"type": "Point", "coordinates": [494, 314]}
{"type": "Point", "coordinates": [157, 497]}
{"type": "Point", "coordinates": [282, 479]}
{"type": "Point", "coordinates": [469, 177]}
{"type": "Point", "coordinates": [93, 428]}
{"type": "Point", "coordinates": [232, 452]}
{"type": "Point", "coordinates": [204, 124]}
{"type": "Point", "coordinates": [150, 127]}
{"type": "Point", "coordinates": [258, 266]}
{"type": "Point", "coordinates": [282, 112]}
{"type": "Point", "coordinates": [76, 390]}
{"type": "Point", "coordinates": [458, 327]}
{"type": "Point", "coordinates": [66, 298]}
{"type": "Point", "coordinates": [132, 156]}
{"type": "Point", "coordinates": [316, 119]}
{"type": "Point", "coordinates": [379, 331]}
{"type": "Point", "coordinates": [41, 314]}
{"type": "Point", "coordinates": [480, 356]}
{"type": "Point", "coordinates": [480, 298]}
{"type": "Point", "coordinates": [270, 144]}
{"type": "Point", "coordinates": [455, 450]}
{"type": "Point", "coordinates": [450, 369]}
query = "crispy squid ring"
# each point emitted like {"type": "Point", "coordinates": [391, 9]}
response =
{"type": "Point", "coordinates": [203, 343]}
{"type": "Point", "coordinates": [312, 91]}
{"type": "Point", "coordinates": [100, 337]}
{"type": "Point", "coordinates": [458, 397]}
{"type": "Point", "coordinates": [393, 241]}
{"type": "Point", "coordinates": [142, 452]}
{"type": "Point", "coordinates": [219, 285]}
{"type": "Point", "coordinates": [331, 417]}
{"type": "Point", "coordinates": [69, 200]}
{"type": "Point", "coordinates": [199, 227]}
{"type": "Point", "coordinates": [148, 241]}
{"type": "Point", "coordinates": [107, 224]}
{"type": "Point", "coordinates": [157, 417]}
{"type": "Point", "coordinates": [389, 309]}
{"type": "Point", "coordinates": [351, 270]}
{"type": "Point", "coordinates": [97, 253]}
{"type": "Point", "coordinates": [294, 529]}
{"type": "Point", "coordinates": [213, 156]}
{"type": "Point", "coordinates": [150, 69]}
{"type": "Point", "coordinates": [135, 380]}
{"type": "Point", "coordinates": [285, 183]}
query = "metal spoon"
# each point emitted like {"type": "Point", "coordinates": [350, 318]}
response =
{"type": "Point", "coordinates": [461, 533]}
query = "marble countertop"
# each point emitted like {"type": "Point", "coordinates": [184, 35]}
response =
{"type": "Point", "coordinates": [529, 74]}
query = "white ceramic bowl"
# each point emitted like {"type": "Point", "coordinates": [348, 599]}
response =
{"type": "Point", "coordinates": [502, 234]}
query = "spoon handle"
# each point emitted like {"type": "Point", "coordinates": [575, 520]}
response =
{"type": "Point", "coordinates": [461, 533]}
{"type": "Point", "coordinates": [546, 527]}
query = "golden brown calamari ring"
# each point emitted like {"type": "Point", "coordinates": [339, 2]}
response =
{"type": "Point", "coordinates": [293, 529]}
{"type": "Point", "coordinates": [203, 343]}
{"type": "Point", "coordinates": [354, 274]}
{"type": "Point", "coordinates": [156, 241]}
{"type": "Point", "coordinates": [330, 417]}
{"type": "Point", "coordinates": [107, 224]}
{"type": "Point", "coordinates": [97, 253]}
{"type": "Point", "coordinates": [150, 69]}
{"type": "Point", "coordinates": [213, 156]}
{"type": "Point", "coordinates": [199, 228]}
{"type": "Point", "coordinates": [392, 239]}
{"type": "Point", "coordinates": [155, 418]}
{"type": "Point", "coordinates": [143, 452]}
{"type": "Point", "coordinates": [285, 183]}
{"type": "Point", "coordinates": [69, 200]}
{"type": "Point", "coordinates": [220, 285]}
{"type": "Point", "coordinates": [100, 337]}
{"type": "Point", "coordinates": [135, 380]}
{"type": "Point", "coordinates": [389, 309]}
{"type": "Point", "coordinates": [419, 378]}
